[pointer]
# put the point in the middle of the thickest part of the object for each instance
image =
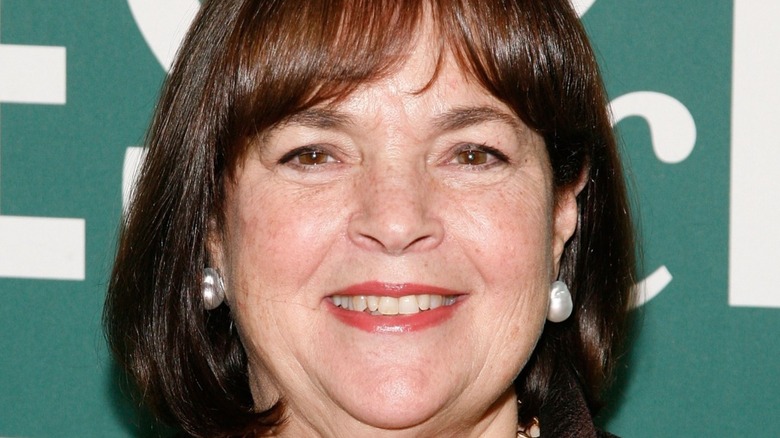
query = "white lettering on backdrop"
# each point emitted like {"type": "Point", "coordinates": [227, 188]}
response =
{"type": "Point", "coordinates": [37, 247]}
{"type": "Point", "coordinates": [673, 136]}
{"type": "Point", "coordinates": [582, 6]}
{"type": "Point", "coordinates": [163, 25]}
{"type": "Point", "coordinates": [754, 235]}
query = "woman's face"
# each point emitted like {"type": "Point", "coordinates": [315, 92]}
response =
{"type": "Point", "coordinates": [443, 195]}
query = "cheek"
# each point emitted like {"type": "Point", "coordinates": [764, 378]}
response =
{"type": "Point", "coordinates": [506, 235]}
{"type": "Point", "coordinates": [509, 230]}
{"type": "Point", "coordinates": [529, 222]}
{"type": "Point", "coordinates": [275, 243]}
{"type": "Point", "coordinates": [278, 239]}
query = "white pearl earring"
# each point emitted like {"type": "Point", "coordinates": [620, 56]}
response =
{"type": "Point", "coordinates": [212, 288]}
{"type": "Point", "coordinates": [561, 305]}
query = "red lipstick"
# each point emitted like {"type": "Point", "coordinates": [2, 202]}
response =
{"type": "Point", "coordinates": [398, 323]}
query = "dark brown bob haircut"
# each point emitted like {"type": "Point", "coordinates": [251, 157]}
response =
{"type": "Point", "coordinates": [247, 65]}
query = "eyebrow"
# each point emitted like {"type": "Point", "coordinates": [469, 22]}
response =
{"type": "Point", "coordinates": [451, 120]}
{"type": "Point", "coordinates": [322, 118]}
{"type": "Point", "coordinates": [463, 117]}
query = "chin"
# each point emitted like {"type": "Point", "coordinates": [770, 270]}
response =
{"type": "Point", "coordinates": [407, 400]}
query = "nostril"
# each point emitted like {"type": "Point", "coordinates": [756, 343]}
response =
{"type": "Point", "coordinates": [418, 242]}
{"type": "Point", "coordinates": [395, 234]}
{"type": "Point", "coordinates": [370, 240]}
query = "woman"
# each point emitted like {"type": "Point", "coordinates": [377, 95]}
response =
{"type": "Point", "coordinates": [352, 217]}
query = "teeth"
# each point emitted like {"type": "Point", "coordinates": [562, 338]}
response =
{"type": "Point", "coordinates": [359, 303]}
{"type": "Point", "coordinates": [408, 305]}
{"type": "Point", "coordinates": [388, 306]}
{"type": "Point", "coordinates": [383, 305]}
{"type": "Point", "coordinates": [424, 302]}
{"type": "Point", "coordinates": [373, 303]}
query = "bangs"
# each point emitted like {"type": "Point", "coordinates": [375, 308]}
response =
{"type": "Point", "coordinates": [291, 56]}
{"type": "Point", "coordinates": [286, 56]}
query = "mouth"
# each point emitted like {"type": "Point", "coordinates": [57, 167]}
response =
{"type": "Point", "coordinates": [388, 306]}
{"type": "Point", "coordinates": [394, 308]}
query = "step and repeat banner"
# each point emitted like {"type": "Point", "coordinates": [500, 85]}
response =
{"type": "Point", "coordinates": [694, 89]}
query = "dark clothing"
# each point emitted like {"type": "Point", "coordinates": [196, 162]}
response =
{"type": "Point", "coordinates": [565, 414]}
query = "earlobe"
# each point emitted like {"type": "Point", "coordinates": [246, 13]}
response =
{"type": "Point", "coordinates": [566, 216]}
{"type": "Point", "coordinates": [215, 250]}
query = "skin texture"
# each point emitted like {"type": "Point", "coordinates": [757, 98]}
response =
{"type": "Point", "coordinates": [394, 196]}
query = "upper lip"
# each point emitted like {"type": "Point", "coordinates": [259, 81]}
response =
{"type": "Point", "coordinates": [397, 290]}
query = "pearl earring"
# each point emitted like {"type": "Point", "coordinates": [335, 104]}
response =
{"type": "Point", "coordinates": [212, 288]}
{"type": "Point", "coordinates": [561, 305]}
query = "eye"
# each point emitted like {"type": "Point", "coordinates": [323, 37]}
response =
{"type": "Point", "coordinates": [307, 156]}
{"type": "Point", "coordinates": [473, 155]}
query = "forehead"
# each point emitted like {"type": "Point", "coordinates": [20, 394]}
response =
{"type": "Point", "coordinates": [428, 86]}
{"type": "Point", "coordinates": [390, 110]}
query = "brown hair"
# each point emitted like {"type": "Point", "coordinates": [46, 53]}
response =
{"type": "Point", "coordinates": [247, 65]}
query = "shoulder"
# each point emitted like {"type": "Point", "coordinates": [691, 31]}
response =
{"type": "Point", "coordinates": [565, 413]}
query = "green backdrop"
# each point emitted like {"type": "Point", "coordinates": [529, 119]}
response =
{"type": "Point", "coordinates": [693, 91]}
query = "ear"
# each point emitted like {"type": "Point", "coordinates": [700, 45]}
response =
{"type": "Point", "coordinates": [566, 216]}
{"type": "Point", "coordinates": [215, 251]}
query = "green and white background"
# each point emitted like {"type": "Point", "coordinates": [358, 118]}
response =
{"type": "Point", "coordinates": [695, 89]}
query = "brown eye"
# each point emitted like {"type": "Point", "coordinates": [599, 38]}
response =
{"type": "Point", "coordinates": [307, 157]}
{"type": "Point", "coordinates": [472, 157]}
{"type": "Point", "coordinates": [312, 158]}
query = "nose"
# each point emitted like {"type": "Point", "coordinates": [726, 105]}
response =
{"type": "Point", "coordinates": [396, 211]}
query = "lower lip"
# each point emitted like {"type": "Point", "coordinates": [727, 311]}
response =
{"type": "Point", "coordinates": [394, 323]}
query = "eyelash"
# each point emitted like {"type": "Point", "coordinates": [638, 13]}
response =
{"type": "Point", "coordinates": [304, 151]}
{"type": "Point", "coordinates": [314, 152]}
{"type": "Point", "coordinates": [497, 155]}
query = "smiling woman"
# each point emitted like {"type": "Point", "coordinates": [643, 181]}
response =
{"type": "Point", "coordinates": [351, 215]}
